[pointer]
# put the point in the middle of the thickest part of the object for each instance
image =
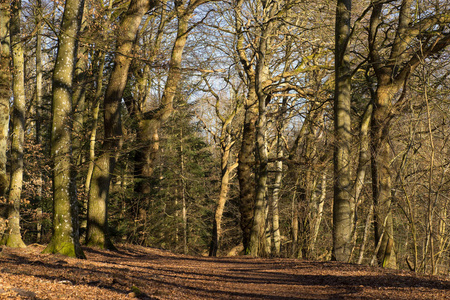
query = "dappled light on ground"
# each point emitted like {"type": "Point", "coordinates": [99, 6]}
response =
{"type": "Point", "coordinates": [135, 272]}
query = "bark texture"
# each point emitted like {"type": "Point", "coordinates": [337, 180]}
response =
{"type": "Point", "coordinates": [97, 227]}
{"type": "Point", "coordinates": [343, 206]}
{"type": "Point", "coordinates": [14, 238]}
{"type": "Point", "coordinates": [65, 235]}
{"type": "Point", "coordinates": [5, 91]}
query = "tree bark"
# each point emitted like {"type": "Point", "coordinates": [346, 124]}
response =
{"type": "Point", "coordinates": [381, 179]}
{"type": "Point", "coordinates": [276, 195]}
{"type": "Point", "coordinates": [18, 128]}
{"type": "Point", "coordinates": [257, 233]}
{"type": "Point", "coordinates": [5, 91]}
{"type": "Point", "coordinates": [392, 73]}
{"type": "Point", "coordinates": [65, 237]}
{"type": "Point", "coordinates": [223, 196]}
{"type": "Point", "coordinates": [342, 205]}
{"type": "Point", "coordinates": [38, 109]}
{"type": "Point", "coordinates": [246, 175]}
{"type": "Point", "coordinates": [97, 227]}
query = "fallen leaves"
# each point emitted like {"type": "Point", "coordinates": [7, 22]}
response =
{"type": "Point", "coordinates": [135, 272]}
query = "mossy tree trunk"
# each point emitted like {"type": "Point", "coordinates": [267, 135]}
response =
{"type": "Point", "coordinates": [65, 236]}
{"type": "Point", "coordinates": [14, 238]}
{"type": "Point", "coordinates": [5, 91]}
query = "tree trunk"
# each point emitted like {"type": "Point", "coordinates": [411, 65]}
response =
{"type": "Point", "coordinates": [97, 227]}
{"type": "Point", "coordinates": [5, 92]}
{"type": "Point", "coordinates": [223, 196]}
{"type": "Point", "coordinates": [276, 196]}
{"type": "Point", "coordinates": [246, 174]}
{"type": "Point", "coordinates": [381, 178]}
{"type": "Point", "coordinates": [257, 232]}
{"type": "Point", "coordinates": [38, 105]}
{"type": "Point", "coordinates": [319, 203]}
{"type": "Point", "coordinates": [79, 102]}
{"type": "Point", "coordinates": [95, 112]}
{"type": "Point", "coordinates": [18, 128]}
{"type": "Point", "coordinates": [342, 206]}
{"type": "Point", "coordinates": [65, 237]}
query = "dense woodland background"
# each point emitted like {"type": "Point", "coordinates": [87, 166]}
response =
{"type": "Point", "coordinates": [273, 128]}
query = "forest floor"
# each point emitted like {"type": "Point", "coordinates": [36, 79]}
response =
{"type": "Point", "coordinates": [135, 272]}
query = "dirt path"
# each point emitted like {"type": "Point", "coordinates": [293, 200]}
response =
{"type": "Point", "coordinates": [143, 273]}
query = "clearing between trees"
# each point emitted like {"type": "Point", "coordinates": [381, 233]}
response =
{"type": "Point", "coordinates": [135, 272]}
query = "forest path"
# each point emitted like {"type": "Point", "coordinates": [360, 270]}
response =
{"type": "Point", "coordinates": [135, 272]}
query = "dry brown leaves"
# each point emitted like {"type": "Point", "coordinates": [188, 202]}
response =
{"type": "Point", "coordinates": [135, 272]}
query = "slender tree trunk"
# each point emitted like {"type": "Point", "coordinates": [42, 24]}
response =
{"type": "Point", "coordinates": [95, 113]}
{"type": "Point", "coordinates": [276, 196]}
{"type": "Point", "coordinates": [365, 235]}
{"type": "Point", "coordinates": [38, 122]}
{"type": "Point", "coordinates": [65, 237]}
{"type": "Point", "coordinates": [319, 213]}
{"type": "Point", "coordinates": [183, 195]}
{"type": "Point", "coordinates": [223, 196]}
{"type": "Point", "coordinates": [246, 174]}
{"type": "Point", "coordinates": [5, 91]}
{"type": "Point", "coordinates": [18, 122]}
{"type": "Point", "coordinates": [294, 217]}
{"type": "Point", "coordinates": [342, 206]}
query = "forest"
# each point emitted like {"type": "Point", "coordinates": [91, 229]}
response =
{"type": "Point", "coordinates": [270, 128]}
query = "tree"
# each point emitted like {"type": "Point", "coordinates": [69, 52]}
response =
{"type": "Point", "coordinates": [393, 61]}
{"type": "Point", "coordinates": [225, 138]}
{"type": "Point", "coordinates": [151, 120]}
{"type": "Point", "coordinates": [18, 128]}
{"type": "Point", "coordinates": [5, 92]}
{"type": "Point", "coordinates": [343, 206]}
{"type": "Point", "coordinates": [97, 227]}
{"type": "Point", "coordinates": [65, 236]}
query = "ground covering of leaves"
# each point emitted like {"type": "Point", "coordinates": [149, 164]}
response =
{"type": "Point", "coordinates": [135, 272]}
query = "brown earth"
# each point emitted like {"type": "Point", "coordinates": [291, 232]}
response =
{"type": "Point", "coordinates": [135, 272]}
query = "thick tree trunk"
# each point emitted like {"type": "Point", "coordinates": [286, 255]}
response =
{"type": "Point", "coordinates": [97, 227]}
{"type": "Point", "coordinates": [257, 233]}
{"type": "Point", "coordinates": [79, 107]}
{"type": "Point", "coordinates": [343, 208]}
{"type": "Point", "coordinates": [18, 123]}
{"type": "Point", "coordinates": [246, 173]}
{"type": "Point", "coordinates": [65, 237]}
{"type": "Point", "coordinates": [381, 178]}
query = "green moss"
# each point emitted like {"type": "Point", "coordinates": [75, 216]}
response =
{"type": "Point", "coordinates": [64, 248]}
{"type": "Point", "coordinates": [15, 241]}
{"type": "Point", "coordinates": [136, 291]}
